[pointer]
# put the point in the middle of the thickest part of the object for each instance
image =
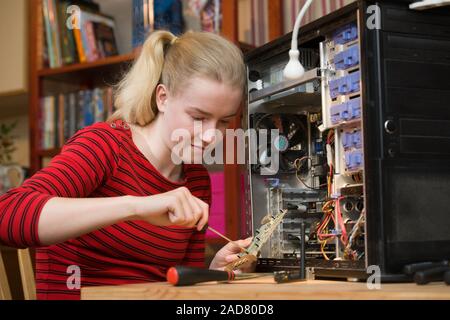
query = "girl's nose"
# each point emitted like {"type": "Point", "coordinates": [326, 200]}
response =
{"type": "Point", "coordinates": [209, 135]}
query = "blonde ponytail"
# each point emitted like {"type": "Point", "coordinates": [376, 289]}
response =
{"type": "Point", "coordinates": [135, 98]}
{"type": "Point", "coordinates": [172, 61]}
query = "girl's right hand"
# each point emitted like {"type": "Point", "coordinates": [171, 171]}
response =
{"type": "Point", "coordinates": [177, 207]}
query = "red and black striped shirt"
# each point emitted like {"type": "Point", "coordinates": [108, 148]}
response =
{"type": "Point", "coordinates": [102, 161]}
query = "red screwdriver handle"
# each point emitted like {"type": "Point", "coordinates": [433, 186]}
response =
{"type": "Point", "coordinates": [186, 276]}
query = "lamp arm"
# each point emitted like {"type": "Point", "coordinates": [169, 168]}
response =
{"type": "Point", "coordinates": [298, 21]}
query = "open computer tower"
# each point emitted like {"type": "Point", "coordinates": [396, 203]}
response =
{"type": "Point", "coordinates": [365, 141]}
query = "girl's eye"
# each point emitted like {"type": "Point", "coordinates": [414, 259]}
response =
{"type": "Point", "coordinates": [197, 118]}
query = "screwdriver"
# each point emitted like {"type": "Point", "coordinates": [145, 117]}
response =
{"type": "Point", "coordinates": [186, 276]}
{"type": "Point", "coordinates": [222, 236]}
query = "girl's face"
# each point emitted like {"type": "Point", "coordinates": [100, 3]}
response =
{"type": "Point", "coordinates": [197, 116]}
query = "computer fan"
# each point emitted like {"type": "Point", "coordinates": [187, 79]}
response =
{"type": "Point", "coordinates": [291, 142]}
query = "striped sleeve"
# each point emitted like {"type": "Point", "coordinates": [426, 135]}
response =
{"type": "Point", "coordinates": [195, 252]}
{"type": "Point", "coordinates": [85, 162]}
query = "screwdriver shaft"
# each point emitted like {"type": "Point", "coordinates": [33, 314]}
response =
{"type": "Point", "coordinates": [224, 237]}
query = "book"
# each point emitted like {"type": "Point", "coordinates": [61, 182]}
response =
{"type": "Point", "coordinates": [168, 15]}
{"type": "Point", "coordinates": [93, 53]}
{"type": "Point", "coordinates": [98, 105]}
{"type": "Point", "coordinates": [66, 119]}
{"type": "Point", "coordinates": [94, 39]}
{"type": "Point", "coordinates": [61, 115]}
{"type": "Point", "coordinates": [151, 15]}
{"type": "Point", "coordinates": [53, 19]}
{"type": "Point", "coordinates": [88, 108]}
{"type": "Point", "coordinates": [108, 101]}
{"type": "Point", "coordinates": [210, 16]}
{"type": "Point", "coordinates": [41, 49]}
{"type": "Point", "coordinates": [48, 34]}
{"type": "Point", "coordinates": [66, 40]}
{"type": "Point", "coordinates": [60, 121]}
{"type": "Point", "coordinates": [79, 44]}
{"type": "Point", "coordinates": [106, 41]}
{"type": "Point", "coordinates": [72, 100]}
{"type": "Point", "coordinates": [88, 43]}
{"type": "Point", "coordinates": [143, 21]}
{"type": "Point", "coordinates": [48, 122]}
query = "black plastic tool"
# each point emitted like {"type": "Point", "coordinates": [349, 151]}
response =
{"type": "Point", "coordinates": [447, 277]}
{"type": "Point", "coordinates": [429, 275]}
{"type": "Point", "coordinates": [410, 269]}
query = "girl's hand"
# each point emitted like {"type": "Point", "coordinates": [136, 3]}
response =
{"type": "Point", "coordinates": [177, 207]}
{"type": "Point", "coordinates": [229, 254]}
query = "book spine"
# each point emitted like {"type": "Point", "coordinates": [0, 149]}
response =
{"type": "Point", "coordinates": [79, 110]}
{"type": "Point", "coordinates": [99, 107]}
{"type": "Point", "coordinates": [79, 44]}
{"type": "Point", "coordinates": [40, 45]}
{"type": "Point", "coordinates": [41, 123]}
{"type": "Point", "coordinates": [64, 32]}
{"type": "Point", "coordinates": [73, 46]}
{"type": "Point", "coordinates": [56, 122]}
{"type": "Point", "coordinates": [79, 41]}
{"type": "Point", "coordinates": [138, 23]}
{"type": "Point", "coordinates": [84, 40]}
{"type": "Point", "coordinates": [93, 51]}
{"type": "Point", "coordinates": [88, 109]}
{"type": "Point", "coordinates": [101, 49]}
{"type": "Point", "coordinates": [61, 118]}
{"type": "Point", "coordinates": [73, 114]}
{"type": "Point", "coordinates": [109, 102]}
{"type": "Point", "coordinates": [66, 120]}
{"type": "Point", "coordinates": [45, 125]}
{"type": "Point", "coordinates": [55, 32]}
{"type": "Point", "coordinates": [48, 34]}
{"type": "Point", "coordinates": [50, 123]}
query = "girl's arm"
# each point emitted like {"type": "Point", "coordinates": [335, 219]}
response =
{"type": "Point", "coordinates": [66, 218]}
{"type": "Point", "coordinates": [54, 205]}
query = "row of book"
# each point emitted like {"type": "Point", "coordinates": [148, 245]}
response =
{"type": "Point", "coordinates": [62, 115]}
{"type": "Point", "coordinates": [177, 16]}
{"type": "Point", "coordinates": [75, 31]}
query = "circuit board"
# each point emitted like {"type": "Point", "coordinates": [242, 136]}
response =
{"type": "Point", "coordinates": [263, 234]}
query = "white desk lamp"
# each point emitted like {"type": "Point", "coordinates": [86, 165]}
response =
{"type": "Point", "coordinates": [294, 69]}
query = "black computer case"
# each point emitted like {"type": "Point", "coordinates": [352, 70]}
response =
{"type": "Point", "coordinates": [404, 94]}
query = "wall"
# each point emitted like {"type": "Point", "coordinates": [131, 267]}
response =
{"type": "Point", "coordinates": [253, 17]}
{"type": "Point", "coordinates": [13, 53]}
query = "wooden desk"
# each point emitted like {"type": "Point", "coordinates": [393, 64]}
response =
{"type": "Point", "coordinates": [266, 289]}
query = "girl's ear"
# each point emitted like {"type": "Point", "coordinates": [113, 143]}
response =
{"type": "Point", "coordinates": [161, 95]}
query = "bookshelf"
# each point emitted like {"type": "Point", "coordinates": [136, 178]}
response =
{"type": "Point", "coordinates": [106, 71]}
{"type": "Point", "coordinates": [80, 67]}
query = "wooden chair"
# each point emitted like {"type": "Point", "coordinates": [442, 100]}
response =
{"type": "Point", "coordinates": [5, 292]}
{"type": "Point", "coordinates": [26, 275]}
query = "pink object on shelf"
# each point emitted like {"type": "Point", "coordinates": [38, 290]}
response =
{"type": "Point", "coordinates": [217, 210]}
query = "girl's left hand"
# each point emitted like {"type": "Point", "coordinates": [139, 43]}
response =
{"type": "Point", "coordinates": [229, 254]}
